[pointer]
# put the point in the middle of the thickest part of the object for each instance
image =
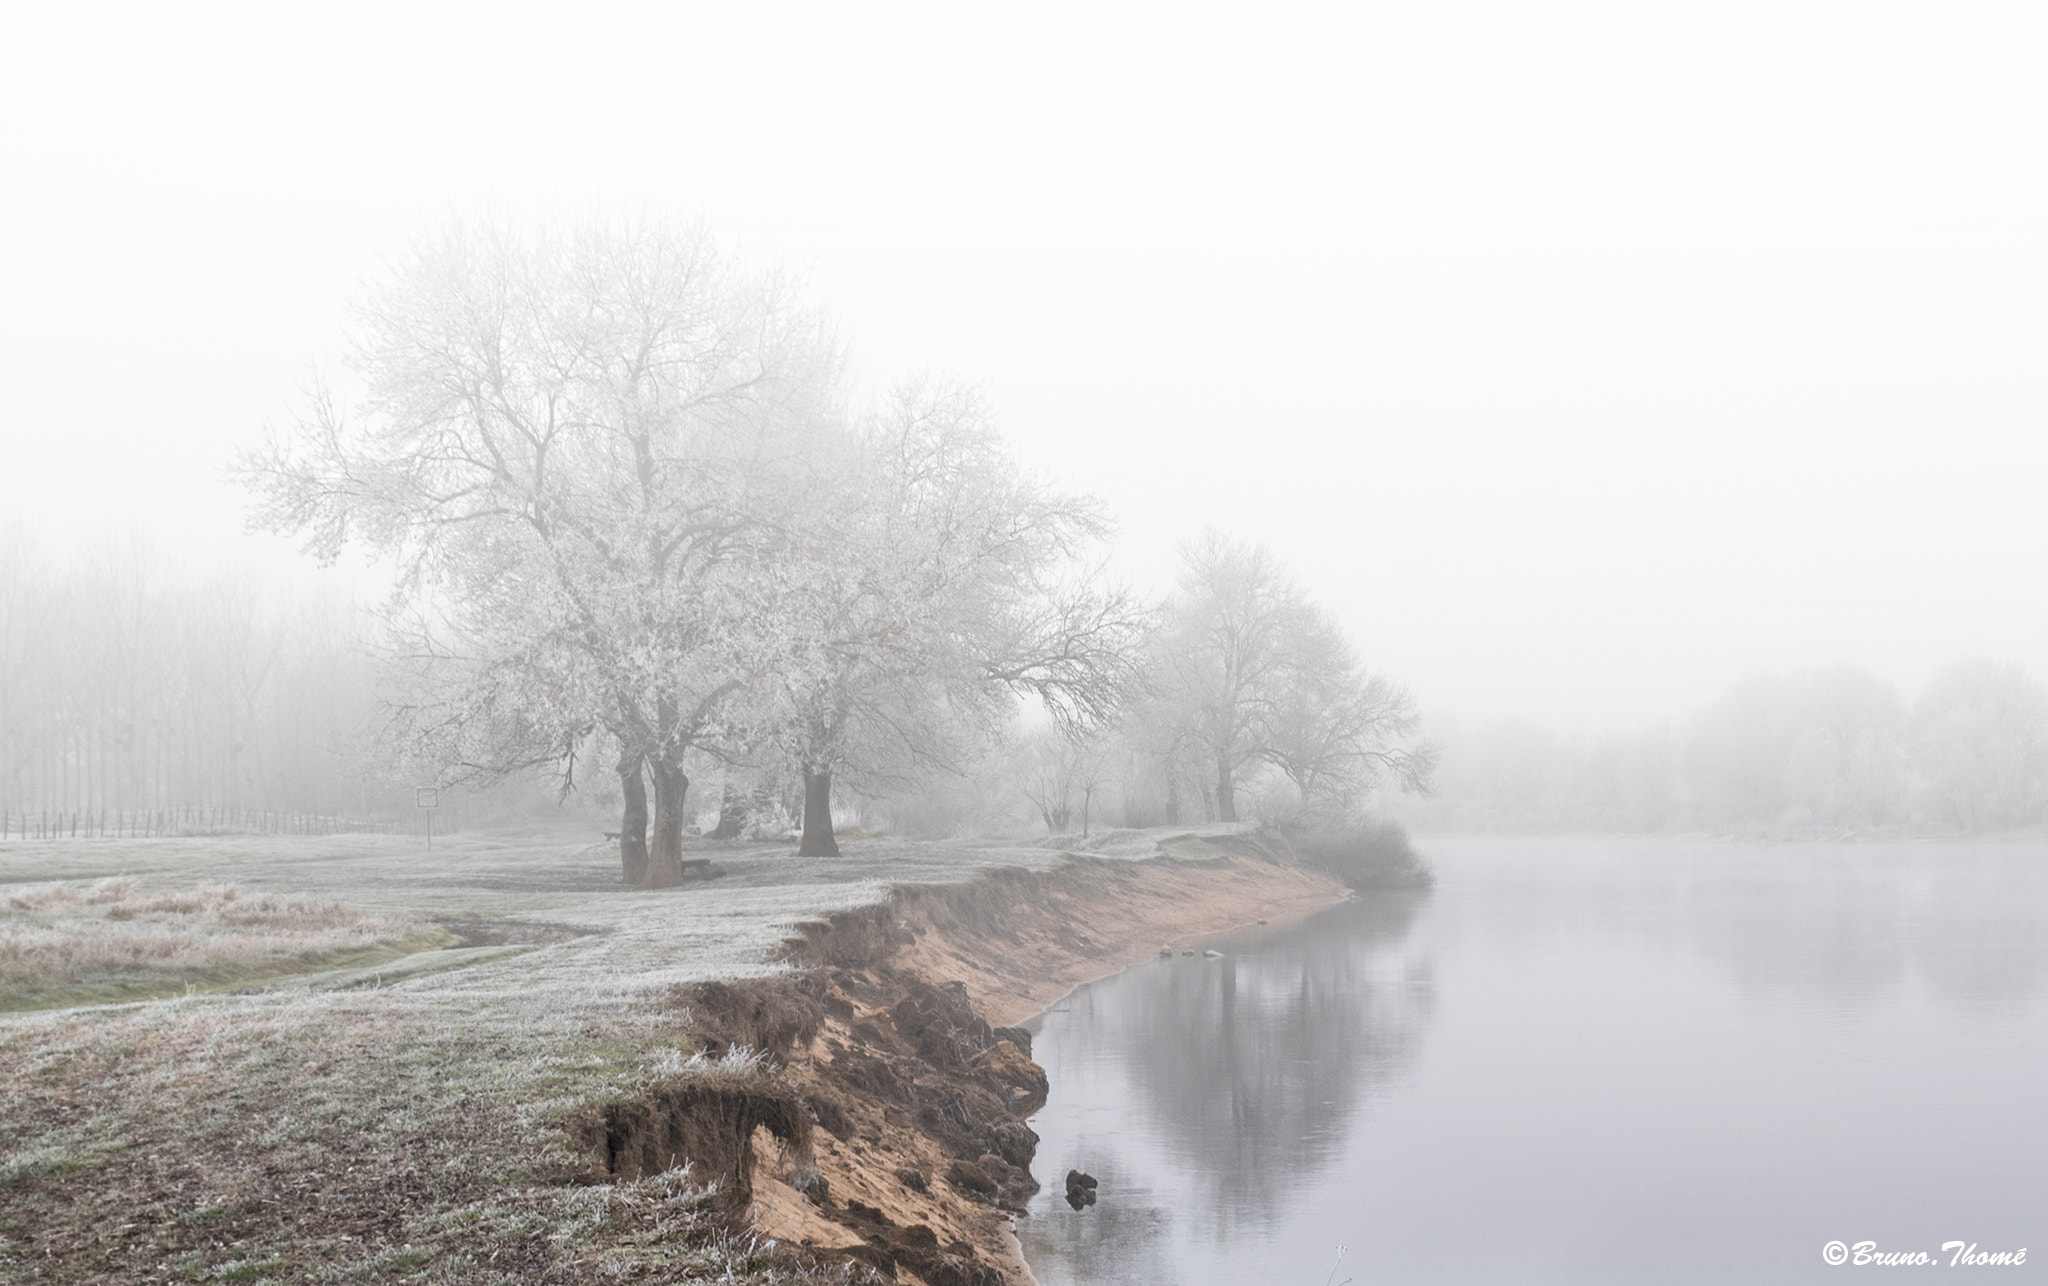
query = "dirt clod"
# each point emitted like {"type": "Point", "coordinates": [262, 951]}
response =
{"type": "Point", "coordinates": [769, 1015]}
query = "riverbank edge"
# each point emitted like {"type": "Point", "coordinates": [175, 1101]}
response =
{"type": "Point", "coordinates": [887, 1181]}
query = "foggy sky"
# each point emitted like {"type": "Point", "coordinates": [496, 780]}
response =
{"type": "Point", "coordinates": [1584, 357]}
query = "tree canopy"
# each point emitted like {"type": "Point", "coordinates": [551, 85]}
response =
{"type": "Point", "coordinates": [631, 506]}
{"type": "Point", "coordinates": [1251, 672]}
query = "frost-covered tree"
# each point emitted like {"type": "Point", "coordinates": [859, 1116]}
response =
{"type": "Point", "coordinates": [563, 437]}
{"type": "Point", "coordinates": [1249, 672]}
{"type": "Point", "coordinates": [1818, 749]}
{"type": "Point", "coordinates": [1980, 745]}
{"type": "Point", "coordinates": [1063, 775]}
{"type": "Point", "coordinates": [1219, 657]}
{"type": "Point", "coordinates": [1331, 727]}
{"type": "Point", "coordinates": [927, 586]}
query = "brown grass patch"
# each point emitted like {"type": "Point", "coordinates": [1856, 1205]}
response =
{"type": "Point", "coordinates": [78, 942]}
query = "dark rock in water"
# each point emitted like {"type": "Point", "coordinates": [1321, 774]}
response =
{"type": "Point", "coordinates": [1080, 1189]}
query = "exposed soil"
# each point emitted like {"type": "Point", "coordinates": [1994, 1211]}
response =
{"type": "Point", "coordinates": [896, 1040]}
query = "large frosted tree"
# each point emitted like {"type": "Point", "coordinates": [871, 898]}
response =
{"type": "Point", "coordinates": [926, 588]}
{"type": "Point", "coordinates": [565, 437]}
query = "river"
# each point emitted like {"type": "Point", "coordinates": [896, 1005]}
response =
{"type": "Point", "coordinates": [1572, 1061]}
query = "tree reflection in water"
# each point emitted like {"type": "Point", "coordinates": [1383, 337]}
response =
{"type": "Point", "coordinates": [1208, 1094]}
{"type": "Point", "coordinates": [1679, 1050]}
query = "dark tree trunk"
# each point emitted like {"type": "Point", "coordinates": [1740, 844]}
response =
{"type": "Point", "coordinates": [818, 840]}
{"type": "Point", "coordinates": [1226, 792]}
{"type": "Point", "coordinates": [665, 851]}
{"type": "Point", "coordinates": [633, 823]}
{"type": "Point", "coordinates": [732, 813]}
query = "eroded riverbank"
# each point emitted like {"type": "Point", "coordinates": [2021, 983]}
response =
{"type": "Point", "coordinates": [913, 1071]}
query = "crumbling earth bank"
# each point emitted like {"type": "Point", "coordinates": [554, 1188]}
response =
{"type": "Point", "coordinates": [889, 1138]}
{"type": "Point", "coordinates": [892, 1137]}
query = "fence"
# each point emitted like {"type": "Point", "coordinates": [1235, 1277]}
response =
{"type": "Point", "coordinates": [455, 815]}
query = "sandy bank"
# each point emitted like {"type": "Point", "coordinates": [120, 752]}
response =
{"type": "Point", "coordinates": [915, 1074]}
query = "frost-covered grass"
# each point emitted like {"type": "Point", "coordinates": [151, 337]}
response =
{"type": "Point", "coordinates": [612, 940]}
{"type": "Point", "coordinates": [382, 1130]}
{"type": "Point", "coordinates": [80, 941]}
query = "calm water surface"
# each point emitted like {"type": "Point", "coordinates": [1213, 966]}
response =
{"type": "Point", "coordinates": [1573, 1061]}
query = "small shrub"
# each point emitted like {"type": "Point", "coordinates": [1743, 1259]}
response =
{"type": "Point", "coordinates": [1364, 855]}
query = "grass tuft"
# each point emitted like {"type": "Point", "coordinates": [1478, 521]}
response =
{"type": "Point", "coordinates": [738, 1064]}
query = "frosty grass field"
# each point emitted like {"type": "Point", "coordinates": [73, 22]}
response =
{"type": "Point", "coordinates": [356, 1054]}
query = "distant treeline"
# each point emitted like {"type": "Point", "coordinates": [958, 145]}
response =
{"type": "Point", "coordinates": [129, 692]}
{"type": "Point", "coordinates": [1819, 752]}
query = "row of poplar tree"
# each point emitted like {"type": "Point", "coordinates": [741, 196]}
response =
{"type": "Point", "coordinates": [129, 688]}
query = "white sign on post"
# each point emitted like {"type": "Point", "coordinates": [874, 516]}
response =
{"type": "Point", "coordinates": [427, 797]}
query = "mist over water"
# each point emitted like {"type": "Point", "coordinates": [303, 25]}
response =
{"type": "Point", "coordinates": [1573, 1061]}
{"type": "Point", "coordinates": [966, 423]}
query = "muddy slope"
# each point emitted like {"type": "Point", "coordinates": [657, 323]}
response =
{"type": "Point", "coordinates": [894, 1139]}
